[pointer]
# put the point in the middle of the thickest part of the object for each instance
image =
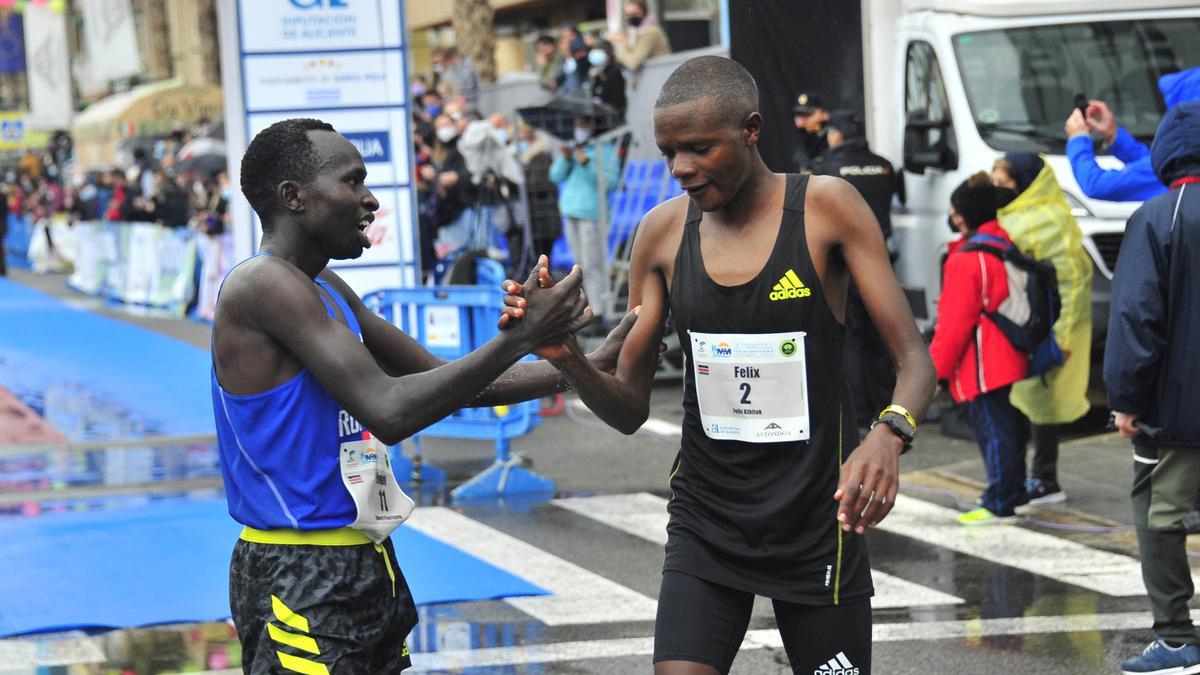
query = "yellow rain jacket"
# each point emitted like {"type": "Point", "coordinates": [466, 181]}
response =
{"type": "Point", "coordinates": [1040, 223]}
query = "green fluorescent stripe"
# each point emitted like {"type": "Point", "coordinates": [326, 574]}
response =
{"type": "Point", "coordinates": [678, 463]}
{"type": "Point", "coordinates": [837, 577]}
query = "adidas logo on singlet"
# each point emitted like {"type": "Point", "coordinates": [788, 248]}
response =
{"type": "Point", "coordinates": [790, 287]}
{"type": "Point", "coordinates": [838, 665]}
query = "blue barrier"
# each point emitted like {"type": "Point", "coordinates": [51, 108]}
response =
{"type": "Point", "coordinates": [451, 322]}
{"type": "Point", "coordinates": [644, 185]}
{"type": "Point", "coordinates": [16, 241]}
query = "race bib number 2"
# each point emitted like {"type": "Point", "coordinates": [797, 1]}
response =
{"type": "Point", "coordinates": [752, 387]}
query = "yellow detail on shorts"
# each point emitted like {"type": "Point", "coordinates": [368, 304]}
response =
{"type": "Point", "coordinates": [297, 664]}
{"type": "Point", "coordinates": [790, 287]}
{"type": "Point", "coordinates": [404, 651]}
{"type": "Point", "coordinates": [387, 562]}
{"type": "Point", "coordinates": [302, 642]}
{"type": "Point", "coordinates": [285, 615]}
{"type": "Point", "coordinates": [341, 537]}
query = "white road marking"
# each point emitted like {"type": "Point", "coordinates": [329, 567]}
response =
{"type": "Point", "coordinates": [653, 424]}
{"type": "Point", "coordinates": [578, 595]}
{"type": "Point", "coordinates": [645, 515]}
{"type": "Point", "coordinates": [925, 631]}
{"type": "Point", "coordinates": [52, 649]}
{"type": "Point", "coordinates": [1042, 554]}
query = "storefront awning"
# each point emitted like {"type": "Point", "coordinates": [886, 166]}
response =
{"type": "Point", "coordinates": [146, 110]}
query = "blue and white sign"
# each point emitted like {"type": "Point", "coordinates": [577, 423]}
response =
{"type": "Point", "coordinates": [341, 61]}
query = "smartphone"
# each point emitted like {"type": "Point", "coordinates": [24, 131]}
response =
{"type": "Point", "coordinates": [1081, 102]}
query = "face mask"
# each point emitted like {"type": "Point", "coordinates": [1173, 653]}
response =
{"type": "Point", "coordinates": [226, 194]}
{"type": "Point", "coordinates": [1004, 196]}
{"type": "Point", "coordinates": [502, 135]}
{"type": "Point", "coordinates": [522, 147]}
{"type": "Point", "coordinates": [597, 57]}
{"type": "Point", "coordinates": [634, 21]}
{"type": "Point", "coordinates": [951, 225]}
{"type": "Point", "coordinates": [582, 134]}
{"type": "Point", "coordinates": [434, 110]}
{"type": "Point", "coordinates": [447, 134]}
{"type": "Point", "coordinates": [569, 66]}
{"type": "Point", "coordinates": [417, 90]}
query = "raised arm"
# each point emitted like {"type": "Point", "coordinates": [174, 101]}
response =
{"type": "Point", "coordinates": [277, 302]}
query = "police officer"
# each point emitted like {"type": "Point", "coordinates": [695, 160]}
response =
{"type": "Point", "coordinates": [850, 159]}
{"type": "Point", "coordinates": [867, 366]}
{"type": "Point", "coordinates": [809, 115]}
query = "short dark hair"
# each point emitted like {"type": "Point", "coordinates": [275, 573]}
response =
{"type": "Point", "coordinates": [282, 151]}
{"type": "Point", "coordinates": [546, 40]}
{"type": "Point", "coordinates": [975, 200]}
{"type": "Point", "coordinates": [725, 81]}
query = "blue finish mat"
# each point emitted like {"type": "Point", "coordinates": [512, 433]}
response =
{"type": "Point", "coordinates": [92, 377]}
{"type": "Point", "coordinates": [168, 562]}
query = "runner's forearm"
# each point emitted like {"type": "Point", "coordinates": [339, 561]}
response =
{"type": "Point", "coordinates": [611, 399]}
{"type": "Point", "coordinates": [524, 381]}
{"type": "Point", "coordinates": [916, 380]}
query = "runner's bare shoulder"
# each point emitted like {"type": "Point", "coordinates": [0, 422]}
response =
{"type": "Point", "coordinates": [661, 230]}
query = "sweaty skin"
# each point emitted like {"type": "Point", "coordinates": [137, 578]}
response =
{"type": "Point", "coordinates": [718, 165]}
{"type": "Point", "coordinates": [271, 321]}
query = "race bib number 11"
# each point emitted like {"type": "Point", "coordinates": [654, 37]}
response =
{"type": "Point", "coordinates": [752, 387]}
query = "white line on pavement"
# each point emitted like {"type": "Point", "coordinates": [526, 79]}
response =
{"type": "Point", "coordinates": [1043, 554]}
{"type": "Point", "coordinates": [54, 649]}
{"type": "Point", "coordinates": [578, 596]}
{"type": "Point", "coordinates": [760, 639]}
{"type": "Point", "coordinates": [653, 424]}
{"type": "Point", "coordinates": [645, 515]}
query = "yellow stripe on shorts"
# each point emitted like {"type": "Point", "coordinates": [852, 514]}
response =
{"type": "Point", "coordinates": [298, 664]}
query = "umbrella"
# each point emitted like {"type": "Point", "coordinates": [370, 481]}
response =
{"type": "Point", "coordinates": [203, 155]}
{"type": "Point", "coordinates": [483, 151]}
{"type": "Point", "coordinates": [557, 116]}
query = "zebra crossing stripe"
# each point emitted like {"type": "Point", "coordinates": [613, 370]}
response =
{"type": "Point", "coordinates": [578, 595]}
{"type": "Point", "coordinates": [1036, 552]}
{"type": "Point", "coordinates": [923, 631]}
{"type": "Point", "coordinates": [653, 424]}
{"type": "Point", "coordinates": [645, 515]}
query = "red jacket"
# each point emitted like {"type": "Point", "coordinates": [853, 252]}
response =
{"type": "Point", "coordinates": [974, 282]}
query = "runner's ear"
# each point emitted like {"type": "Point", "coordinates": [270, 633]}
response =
{"type": "Point", "coordinates": [752, 128]}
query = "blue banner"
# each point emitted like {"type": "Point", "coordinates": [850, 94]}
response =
{"type": "Point", "coordinates": [12, 45]}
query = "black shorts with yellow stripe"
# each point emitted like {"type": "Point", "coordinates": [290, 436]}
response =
{"type": "Point", "coordinates": [319, 603]}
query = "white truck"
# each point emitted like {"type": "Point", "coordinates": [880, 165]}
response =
{"type": "Point", "coordinates": [953, 84]}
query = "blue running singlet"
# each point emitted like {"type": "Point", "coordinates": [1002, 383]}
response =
{"type": "Point", "coordinates": [279, 449]}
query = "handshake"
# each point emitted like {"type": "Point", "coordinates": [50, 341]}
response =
{"type": "Point", "coordinates": [546, 314]}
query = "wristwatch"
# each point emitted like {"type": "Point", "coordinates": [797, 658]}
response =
{"type": "Point", "coordinates": [901, 422]}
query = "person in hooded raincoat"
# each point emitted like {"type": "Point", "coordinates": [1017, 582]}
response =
{"type": "Point", "coordinates": [1040, 223]}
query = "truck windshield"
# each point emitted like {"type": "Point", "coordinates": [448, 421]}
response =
{"type": "Point", "coordinates": [1021, 82]}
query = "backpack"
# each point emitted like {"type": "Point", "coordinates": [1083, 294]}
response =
{"type": "Point", "coordinates": [1027, 315]}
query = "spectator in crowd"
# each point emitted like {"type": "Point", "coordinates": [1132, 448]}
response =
{"type": "Point", "coordinates": [974, 282]}
{"type": "Point", "coordinates": [809, 116]}
{"type": "Point", "coordinates": [1038, 219]}
{"type": "Point", "coordinates": [535, 153]}
{"type": "Point", "coordinates": [641, 39]}
{"type": "Point", "coordinates": [431, 106]}
{"type": "Point", "coordinates": [1135, 181]}
{"type": "Point", "coordinates": [169, 201]}
{"type": "Point", "coordinates": [579, 201]}
{"type": "Point", "coordinates": [573, 77]}
{"type": "Point", "coordinates": [417, 86]}
{"type": "Point", "coordinates": [607, 82]}
{"type": "Point", "coordinates": [457, 71]}
{"type": "Point", "coordinates": [867, 364]}
{"type": "Point", "coordinates": [1152, 372]}
{"type": "Point", "coordinates": [452, 191]}
{"type": "Point", "coordinates": [549, 62]}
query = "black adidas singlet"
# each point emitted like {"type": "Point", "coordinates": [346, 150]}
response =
{"type": "Point", "coordinates": [760, 517]}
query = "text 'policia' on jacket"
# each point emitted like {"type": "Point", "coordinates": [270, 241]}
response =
{"type": "Point", "coordinates": [1151, 364]}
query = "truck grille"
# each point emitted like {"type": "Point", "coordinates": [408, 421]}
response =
{"type": "Point", "coordinates": [1108, 245]}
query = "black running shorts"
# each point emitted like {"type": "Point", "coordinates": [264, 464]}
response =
{"type": "Point", "coordinates": [320, 609]}
{"type": "Point", "coordinates": [704, 622]}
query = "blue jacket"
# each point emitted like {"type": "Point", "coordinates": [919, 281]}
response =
{"type": "Point", "coordinates": [579, 192]}
{"type": "Point", "coordinates": [1136, 180]}
{"type": "Point", "coordinates": [1152, 358]}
